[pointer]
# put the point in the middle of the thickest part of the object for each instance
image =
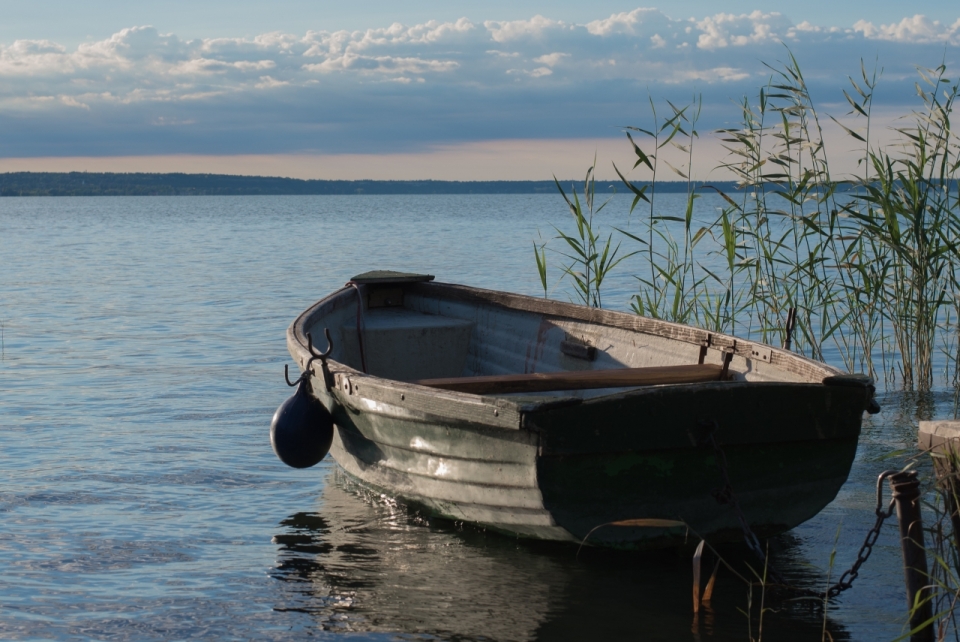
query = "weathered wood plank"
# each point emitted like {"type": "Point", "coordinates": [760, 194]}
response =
{"type": "Point", "coordinates": [577, 380]}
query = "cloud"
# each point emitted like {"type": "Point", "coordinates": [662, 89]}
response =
{"type": "Point", "coordinates": [716, 74]}
{"type": "Point", "coordinates": [266, 82]}
{"type": "Point", "coordinates": [381, 65]}
{"type": "Point", "coordinates": [551, 59]}
{"type": "Point", "coordinates": [70, 101]}
{"type": "Point", "coordinates": [31, 57]}
{"type": "Point", "coordinates": [400, 86]}
{"type": "Point", "coordinates": [535, 27]}
{"type": "Point", "coordinates": [162, 121]}
{"type": "Point", "coordinates": [631, 23]}
{"type": "Point", "coordinates": [915, 30]}
{"type": "Point", "coordinates": [729, 30]}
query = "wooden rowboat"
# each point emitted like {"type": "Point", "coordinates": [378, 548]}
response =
{"type": "Point", "coordinates": [545, 420]}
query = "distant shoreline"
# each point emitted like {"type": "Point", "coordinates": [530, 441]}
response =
{"type": "Point", "coordinates": [177, 184]}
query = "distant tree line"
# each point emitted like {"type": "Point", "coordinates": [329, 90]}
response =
{"type": "Point", "coordinates": [115, 184]}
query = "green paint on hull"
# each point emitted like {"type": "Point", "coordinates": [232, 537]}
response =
{"type": "Point", "coordinates": [661, 466]}
{"type": "Point", "coordinates": [649, 458]}
{"type": "Point", "coordinates": [776, 485]}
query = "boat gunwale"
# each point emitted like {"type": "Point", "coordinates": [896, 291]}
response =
{"type": "Point", "coordinates": [493, 411]}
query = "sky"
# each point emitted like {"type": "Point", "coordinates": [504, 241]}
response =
{"type": "Point", "coordinates": [428, 89]}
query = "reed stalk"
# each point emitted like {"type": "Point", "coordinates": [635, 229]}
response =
{"type": "Point", "coordinates": [589, 257]}
{"type": "Point", "coordinates": [869, 261]}
{"type": "Point", "coordinates": [906, 209]}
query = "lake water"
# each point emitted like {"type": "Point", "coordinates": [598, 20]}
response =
{"type": "Point", "coordinates": [143, 343]}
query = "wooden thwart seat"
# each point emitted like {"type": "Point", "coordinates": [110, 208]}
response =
{"type": "Point", "coordinates": [578, 380]}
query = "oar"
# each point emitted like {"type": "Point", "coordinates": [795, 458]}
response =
{"type": "Point", "coordinates": [578, 379]}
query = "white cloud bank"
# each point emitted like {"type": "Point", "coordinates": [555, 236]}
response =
{"type": "Point", "coordinates": [424, 84]}
{"type": "Point", "coordinates": [915, 30]}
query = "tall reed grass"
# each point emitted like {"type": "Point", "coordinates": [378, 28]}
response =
{"type": "Point", "coordinates": [869, 261]}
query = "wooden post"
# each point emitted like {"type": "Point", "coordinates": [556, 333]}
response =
{"type": "Point", "coordinates": [906, 494]}
{"type": "Point", "coordinates": [942, 440]}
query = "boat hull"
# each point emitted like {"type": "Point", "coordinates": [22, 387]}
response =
{"type": "Point", "coordinates": [565, 467]}
{"type": "Point", "coordinates": [671, 455]}
{"type": "Point", "coordinates": [455, 470]}
{"type": "Point", "coordinates": [580, 467]}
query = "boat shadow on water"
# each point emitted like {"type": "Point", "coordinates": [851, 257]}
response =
{"type": "Point", "coordinates": [365, 564]}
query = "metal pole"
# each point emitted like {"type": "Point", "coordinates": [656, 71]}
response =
{"type": "Point", "coordinates": [906, 494]}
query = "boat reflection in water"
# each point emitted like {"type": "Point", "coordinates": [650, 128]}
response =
{"type": "Point", "coordinates": [365, 564]}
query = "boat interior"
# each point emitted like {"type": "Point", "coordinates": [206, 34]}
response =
{"type": "Point", "coordinates": [414, 332]}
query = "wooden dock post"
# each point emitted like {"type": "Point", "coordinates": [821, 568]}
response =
{"type": "Point", "coordinates": [942, 440]}
{"type": "Point", "coordinates": [906, 495]}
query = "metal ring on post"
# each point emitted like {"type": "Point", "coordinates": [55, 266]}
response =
{"type": "Point", "coordinates": [893, 505]}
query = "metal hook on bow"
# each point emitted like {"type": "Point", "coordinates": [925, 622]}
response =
{"type": "Point", "coordinates": [322, 356]}
{"type": "Point", "coordinates": [314, 355]}
{"type": "Point", "coordinates": [286, 375]}
{"type": "Point", "coordinates": [313, 351]}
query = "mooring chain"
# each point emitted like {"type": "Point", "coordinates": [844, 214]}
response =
{"type": "Point", "coordinates": [726, 496]}
{"type": "Point", "coordinates": [846, 580]}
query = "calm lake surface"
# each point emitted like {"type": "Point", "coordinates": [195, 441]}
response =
{"type": "Point", "coordinates": [143, 343]}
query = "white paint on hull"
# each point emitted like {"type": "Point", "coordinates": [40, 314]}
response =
{"type": "Point", "coordinates": [512, 510]}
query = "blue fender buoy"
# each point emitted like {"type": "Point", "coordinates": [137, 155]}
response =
{"type": "Point", "coordinates": [302, 429]}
